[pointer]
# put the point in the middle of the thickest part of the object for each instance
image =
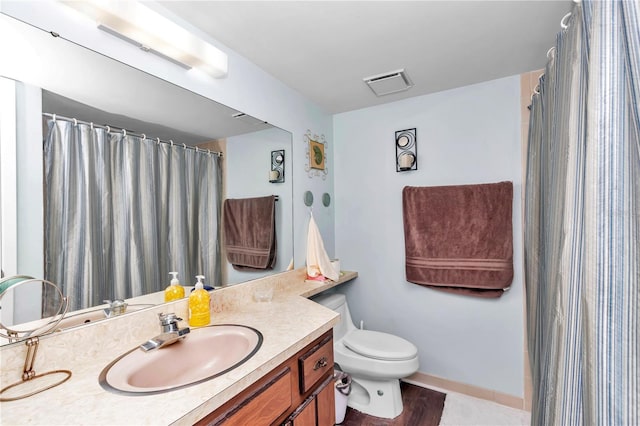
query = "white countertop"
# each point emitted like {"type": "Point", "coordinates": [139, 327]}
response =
{"type": "Point", "coordinates": [288, 323]}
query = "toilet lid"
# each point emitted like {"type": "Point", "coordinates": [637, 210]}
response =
{"type": "Point", "coordinates": [374, 344]}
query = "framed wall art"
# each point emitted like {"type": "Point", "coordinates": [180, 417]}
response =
{"type": "Point", "coordinates": [316, 154]}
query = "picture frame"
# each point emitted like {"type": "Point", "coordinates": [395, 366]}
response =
{"type": "Point", "coordinates": [316, 155]}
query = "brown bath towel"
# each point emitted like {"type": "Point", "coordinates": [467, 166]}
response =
{"type": "Point", "coordinates": [250, 232]}
{"type": "Point", "coordinates": [459, 238]}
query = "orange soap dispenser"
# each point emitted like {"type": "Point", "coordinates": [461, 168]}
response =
{"type": "Point", "coordinates": [199, 313]}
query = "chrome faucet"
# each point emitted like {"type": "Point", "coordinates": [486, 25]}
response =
{"type": "Point", "coordinates": [117, 307]}
{"type": "Point", "coordinates": [170, 333]}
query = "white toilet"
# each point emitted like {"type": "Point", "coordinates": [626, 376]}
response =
{"type": "Point", "coordinates": [376, 361]}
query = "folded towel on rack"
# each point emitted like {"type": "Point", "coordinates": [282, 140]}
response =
{"type": "Point", "coordinates": [250, 232]}
{"type": "Point", "coordinates": [459, 238]}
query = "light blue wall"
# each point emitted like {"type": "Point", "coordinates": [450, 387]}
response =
{"type": "Point", "coordinates": [248, 159]}
{"type": "Point", "coordinates": [466, 135]}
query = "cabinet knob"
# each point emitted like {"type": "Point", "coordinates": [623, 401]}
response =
{"type": "Point", "coordinates": [321, 363]}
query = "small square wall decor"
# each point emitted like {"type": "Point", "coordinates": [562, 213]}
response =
{"type": "Point", "coordinates": [406, 150]}
{"type": "Point", "coordinates": [276, 175]}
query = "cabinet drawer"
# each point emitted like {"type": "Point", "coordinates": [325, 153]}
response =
{"type": "Point", "coordinates": [263, 406]}
{"type": "Point", "coordinates": [315, 363]}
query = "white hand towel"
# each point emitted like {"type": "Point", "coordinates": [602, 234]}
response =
{"type": "Point", "coordinates": [318, 261]}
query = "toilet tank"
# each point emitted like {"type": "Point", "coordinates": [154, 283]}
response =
{"type": "Point", "coordinates": [337, 302]}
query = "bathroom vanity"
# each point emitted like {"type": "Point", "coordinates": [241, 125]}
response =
{"type": "Point", "coordinates": [289, 379]}
{"type": "Point", "coordinates": [297, 392]}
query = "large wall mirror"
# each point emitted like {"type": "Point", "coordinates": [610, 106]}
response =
{"type": "Point", "coordinates": [41, 73]}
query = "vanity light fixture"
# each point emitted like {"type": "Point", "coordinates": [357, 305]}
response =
{"type": "Point", "coordinates": [276, 175]}
{"type": "Point", "coordinates": [136, 23]}
{"type": "Point", "coordinates": [406, 150]}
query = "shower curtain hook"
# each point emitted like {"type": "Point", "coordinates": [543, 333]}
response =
{"type": "Point", "coordinates": [550, 52]}
{"type": "Point", "coordinates": [563, 22]}
{"type": "Point", "coordinates": [108, 129]}
{"type": "Point", "coordinates": [124, 132]}
{"type": "Point", "coordinates": [91, 124]}
{"type": "Point", "coordinates": [196, 149]}
{"type": "Point", "coordinates": [54, 118]}
{"type": "Point", "coordinates": [184, 146]}
{"type": "Point", "coordinates": [158, 141]}
{"type": "Point", "coordinates": [171, 141]}
{"type": "Point", "coordinates": [75, 122]}
{"type": "Point", "coordinates": [144, 136]}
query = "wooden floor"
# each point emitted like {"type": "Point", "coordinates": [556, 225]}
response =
{"type": "Point", "coordinates": [422, 407]}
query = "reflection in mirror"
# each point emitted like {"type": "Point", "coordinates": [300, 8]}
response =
{"type": "Point", "coordinates": [29, 307]}
{"type": "Point", "coordinates": [45, 74]}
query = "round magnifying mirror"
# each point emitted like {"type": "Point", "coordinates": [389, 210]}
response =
{"type": "Point", "coordinates": [29, 307]}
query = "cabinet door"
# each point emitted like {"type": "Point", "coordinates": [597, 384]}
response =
{"type": "Point", "coordinates": [262, 406]}
{"type": "Point", "coordinates": [305, 415]}
{"type": "Point", "coordinates": [326, 403]}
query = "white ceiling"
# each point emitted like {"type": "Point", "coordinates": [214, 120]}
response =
{"type": "Point", "coordinates": [324, 49]}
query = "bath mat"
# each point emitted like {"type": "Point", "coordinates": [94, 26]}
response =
{"type": "Point", "coordinates": [422, 407]}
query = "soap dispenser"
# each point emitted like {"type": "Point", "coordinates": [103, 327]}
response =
{"type": "Point", "coordinates": [175, 291]}
{"type": "Point", "coordinates": [199, 313]}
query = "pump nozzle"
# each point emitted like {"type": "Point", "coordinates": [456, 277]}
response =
{"type": "Point", "coordinates": [174, 280]}
{"type": "Point", "coordinates": [199, 284]}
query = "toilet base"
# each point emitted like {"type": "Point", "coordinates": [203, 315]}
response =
{"type": "Point", "coordinates": [379, 398]}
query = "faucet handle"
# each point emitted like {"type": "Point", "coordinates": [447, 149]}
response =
{"type": "Point", "coordinates": [168, 319]}
{"type": "Point", "coordinates": [116, 307]}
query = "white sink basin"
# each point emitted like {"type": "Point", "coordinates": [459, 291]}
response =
{"type": "Point", "coordinates": [203, 354]}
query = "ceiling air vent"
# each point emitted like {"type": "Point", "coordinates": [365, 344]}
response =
{"type": "Point", "coordinates": [391, 82]}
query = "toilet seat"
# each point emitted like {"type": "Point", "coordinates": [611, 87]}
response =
{"type": "Point", "coordinates": [382, 346]}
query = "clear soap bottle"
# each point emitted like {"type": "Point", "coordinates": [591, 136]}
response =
{"type": "Point", "coordinates": [175, 291]}
{"type": "Point", "coordinates": [199, 299]}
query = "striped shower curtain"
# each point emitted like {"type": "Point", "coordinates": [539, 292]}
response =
{"type": "Point", "coordinates": [122, 211]}
{"type": "Point", "coordinates": [582, 222]}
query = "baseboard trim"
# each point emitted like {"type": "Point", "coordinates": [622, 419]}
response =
{"type": "Point", "coordinates": [422, 379]}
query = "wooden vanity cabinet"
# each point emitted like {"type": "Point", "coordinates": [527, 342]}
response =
{"type": "Point", "coordinates": [299, 392]}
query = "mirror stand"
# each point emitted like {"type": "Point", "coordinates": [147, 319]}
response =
{"type": "Point", "coordinates": [8, 290]}
{"type": "Point", "coordinates": [29, 374]}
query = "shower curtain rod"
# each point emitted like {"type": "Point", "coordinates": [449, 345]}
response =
{"type": "Point", "coordinates": [125, 133]}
